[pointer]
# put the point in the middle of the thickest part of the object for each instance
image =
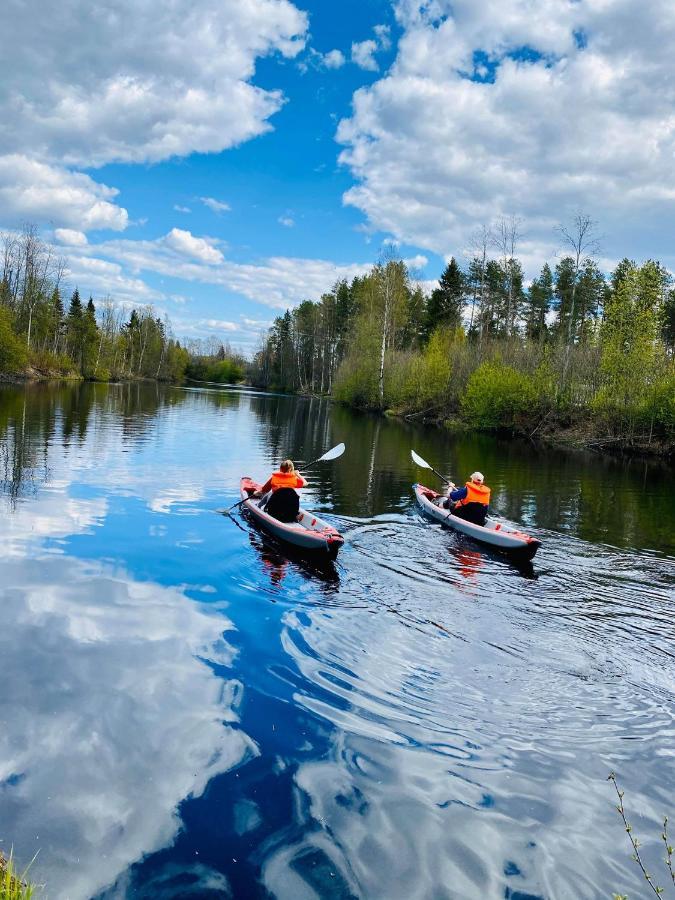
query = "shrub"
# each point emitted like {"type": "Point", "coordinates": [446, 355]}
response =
{"type": "Point", "coordinates": [47, 362]}
{"type": "Point", "coordinates": [497, 396]}
{"type": "Point", "coordinates": [13, 355]}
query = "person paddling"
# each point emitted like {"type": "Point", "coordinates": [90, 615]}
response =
{"type": "Point", "coordinates": [283, 502]}
{"type": "Point", "coordinates": [470, 502]}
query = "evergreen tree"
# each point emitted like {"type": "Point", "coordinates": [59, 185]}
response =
{"type": "Point", "coordinates": [538, 304]}
{"type": "Point", "coordinates": [447, 300]}
{"type": "Point", "coordinates": [668, 322]}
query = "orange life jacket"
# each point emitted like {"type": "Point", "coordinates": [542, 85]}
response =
{"type": "Point", "coordinates": [476, 493]}
{"type": "Point", "coordinates": [285, 480]}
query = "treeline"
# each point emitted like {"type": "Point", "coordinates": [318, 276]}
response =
{"type": "Point", "coordinates": [52, 334]}
{"type": "Point", "coordinates": [573, 346]}
{"type": "Point", "coordinates": [213, 361]}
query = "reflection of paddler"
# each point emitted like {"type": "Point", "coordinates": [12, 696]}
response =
{"type": "Point", "coordinates": [469, 563]}
{"type": "Point", "coordinates": [283, 502]}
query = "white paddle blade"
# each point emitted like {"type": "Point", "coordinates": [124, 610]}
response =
{"type": "Point", "coordinates": [333, 453]}
{"type": "Point", "coordinates": [418, 459]}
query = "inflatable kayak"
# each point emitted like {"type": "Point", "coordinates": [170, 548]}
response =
{"type": "Point", "coordinates": [308, 532]}
{"type": "Point", "coordinates": [499, 535]}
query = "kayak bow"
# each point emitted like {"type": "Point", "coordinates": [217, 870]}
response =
{"type": "Point", "coordinates": [498, 535]}
{"type": "Point", "coordinates": [308, 532]}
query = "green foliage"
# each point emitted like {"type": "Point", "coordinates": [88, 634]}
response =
{"type": "Point", "coordinates": [222, 371]}
{"type": "Point", "coordinates": [47, 363]}
{"type": "Point", "coordinates": [498, 396]}
{"type": "Point", "coordinates": [13, 884]}
{"type": "Point", "coordinates": [446, 303]}
{"type": "Point", "coordinates": [13, 356]}
{"type": "Point", "coordinates": [636, 377]}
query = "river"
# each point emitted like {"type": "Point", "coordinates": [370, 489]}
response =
{"type": "Point", "coordinates": [187, 711]}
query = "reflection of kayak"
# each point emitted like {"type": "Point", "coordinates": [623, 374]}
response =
{"type": "Point", "coordinates": [497, 534]}
{"type": "Point", "coordinates": [308, 532]}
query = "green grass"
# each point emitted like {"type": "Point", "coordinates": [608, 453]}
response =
{"type": "Point", "coordinates": [15, 886]}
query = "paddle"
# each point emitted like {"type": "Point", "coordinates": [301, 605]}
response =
{"type": "Point", "coordinates": [333, 453]}
{"type": "Point", "coordinates": [425, 465]}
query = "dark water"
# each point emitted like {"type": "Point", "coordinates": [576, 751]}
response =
{"type": "Point", "coordinates": [187, 712]}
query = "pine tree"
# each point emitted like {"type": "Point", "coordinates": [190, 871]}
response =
{"type": "Point", "coordinates": [446, 303]}
{"type": "Point", "coordinates": [538, 304]}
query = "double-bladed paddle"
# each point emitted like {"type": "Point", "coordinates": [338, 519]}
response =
{"type": "Point", "coordinates": [333, 453]}
{"type": "Point", "coordinates": [425, 465]}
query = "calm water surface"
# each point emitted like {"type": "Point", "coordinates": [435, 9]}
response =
{"type": "Point", "coordinates": [185, 711]}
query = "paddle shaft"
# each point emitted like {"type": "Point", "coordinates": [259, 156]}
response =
{"type": "Point", "coordinates": [446, 480]}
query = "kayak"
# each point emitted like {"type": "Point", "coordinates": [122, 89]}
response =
{"type": "Point", "coordinates": [499, 535]}
{"type": "Point", "coordinates": [309, 532]}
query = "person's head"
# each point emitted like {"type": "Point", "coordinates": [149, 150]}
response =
{"type": "Point", "coordinates": [287, 466]}
{"type": "Point", "coordinates": [477, 478]}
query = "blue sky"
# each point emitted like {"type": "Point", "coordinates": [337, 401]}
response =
{"type": "Point", "coordinates": [222, 160]}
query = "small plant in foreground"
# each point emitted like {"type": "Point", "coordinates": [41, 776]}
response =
{"type": "Point", "coordinates": [636, 846]}
{"type": "Point", "coordinates": [14, 886]}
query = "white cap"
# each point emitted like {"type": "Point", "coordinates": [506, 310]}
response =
{"type": "Point", "coordinates": [478, 476]}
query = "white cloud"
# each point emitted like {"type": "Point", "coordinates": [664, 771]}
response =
{"type": "Point", "coordinates": [185, 243]}
{"type": "Point", "coordinates": [363, 54]}
{"type": "Point", "coordinates": [70, 237]}
{"type": "Point", "coordinates": [383, 32]}
{"type": "Point", "coordinates": [216, 206]}
{"type": "Point", "coordinates": [583, 120]}
{"type": "Point", "coordinates": [334, 59]}
{"type": "Point", "coordinates": [286, 221]}
{"type": "Point", "coordinates": [142, 82]}
{"type": "Point", "coordinates": [41, 192]}
{"type": "Point", "coordinates": [278, 282]}
{"type": "Point", "coordinates": [182, 209]}
{"type": "Point", "coordinates": [219, 324]}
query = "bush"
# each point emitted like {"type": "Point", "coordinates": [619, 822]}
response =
{"type": "Point", "coordinates": [497, 396]}
{"type": "Point", "coordinates": [13, 355]}
{"type": "Point", "coordinates": [49, 363]}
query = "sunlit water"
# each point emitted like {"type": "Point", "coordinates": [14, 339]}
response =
{"type": "Point", "coordinates": [187, 711]}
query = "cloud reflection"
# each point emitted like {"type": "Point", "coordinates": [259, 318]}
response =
{"type": "Point", "coordinates": [110, 719]}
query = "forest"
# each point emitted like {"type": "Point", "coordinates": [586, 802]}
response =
{"type": "Point", "coordinates": [575, 350]}
{"type": "Point", "coordinates": [46, 333]}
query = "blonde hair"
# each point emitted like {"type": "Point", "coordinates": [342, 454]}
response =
{"type": "Point", "coordinates": [287, 466]}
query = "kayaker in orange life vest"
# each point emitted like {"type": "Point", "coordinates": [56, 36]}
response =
{"type": "Point", "coordinates": [470, 502]}
{"type": "Point", "coordinates": [284, 503]}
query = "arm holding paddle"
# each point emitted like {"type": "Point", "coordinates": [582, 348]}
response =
{"type": "Point", "coordinates": [331, 454]}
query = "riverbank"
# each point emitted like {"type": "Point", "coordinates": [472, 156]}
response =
{"type": "Point", "coordinates": [578, 431]}
{"type": "Point", "coordinates": [578, 434]}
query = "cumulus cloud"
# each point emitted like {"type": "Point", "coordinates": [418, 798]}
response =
{"type": "Point", "coordinates": [286, 221]}
{"type": "Point", "coordinates": [216, 206]}
{"type": "Point", "coordinates": [70, 238]}
{"type": "Point", "coordinates": [38, 191]}
{"type": "Point", "coordinates": [141, 83]}
{"type": "Point", "coordinates": [506, 107]}
{"type": "Point", "coordinates": [185, 243]}
{"type": "Point", "coordinates": [363, 54]}
{"type": "Point", "coordinates": [182, 209]}
{"type": "Point", "coordinates": [334, 59]}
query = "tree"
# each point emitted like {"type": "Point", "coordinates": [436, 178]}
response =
{"type": "Point", "coordinates": [631, 361]}
{"type": "Point", "coordinates": [505, 237]}
{"type": "Point", "coordinates": [538, 304]}
{"type": "Point", "coordinates": [446, 303]}
{"type": "Point", "coordinates": [581, 238]}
